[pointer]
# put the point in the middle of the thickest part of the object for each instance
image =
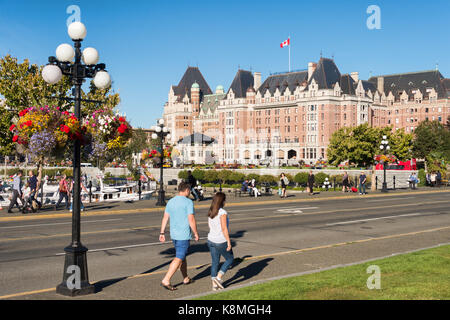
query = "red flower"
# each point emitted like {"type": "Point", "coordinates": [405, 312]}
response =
{"type": "Point", "coordinates": [15, 138]}
{"type": "Point", "coordinates": [122, 119]}
{"type": "Point", "coordinates": [28, 123]}
{"type": "Point", "coordinates": [122, 128]}
{"type": "Point", "coordinates": [23, 112]}
{"type": "Point", "coordinates": [64, 128]}
{"type": "Point", "coordinates": [13, 126]}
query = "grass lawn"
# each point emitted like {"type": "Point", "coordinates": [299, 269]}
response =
{"type": "Point", "coordinates": [420, 275]}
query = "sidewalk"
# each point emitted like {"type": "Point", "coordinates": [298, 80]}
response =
{"type": "Point", "coordinates": [102, 208]}
{"type": "Point", "coordinates": [250, 270]}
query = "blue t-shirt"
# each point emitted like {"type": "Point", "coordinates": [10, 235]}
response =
{"type": "Point", "coordinates": [178, 209]}
{"type": "Point", "coordinates": [362, 178]}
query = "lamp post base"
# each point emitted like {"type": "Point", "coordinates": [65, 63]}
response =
{"type": "Point", "coordinates": [161, 199]}
{"type": "Point", "coordinates": [75, 278]}
{"type": "Point", "coordinates": [384, 187]}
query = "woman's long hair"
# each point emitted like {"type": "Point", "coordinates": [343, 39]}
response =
{"type": "Point", "coordinates": [217, 203]}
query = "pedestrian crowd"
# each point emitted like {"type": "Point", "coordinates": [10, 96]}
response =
{"type": "Point", "coordinates": [24, 196]}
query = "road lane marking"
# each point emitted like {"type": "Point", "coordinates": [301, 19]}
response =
{"type": "Point", "coordinates": [14, 295]}
{"type": "Point", "coordinates": [372, 219]}
{"type": "Point", "coordinates": [93, 212]}
{"type": "Point", "coordinates": [390, 199]}
{"type": "Point", "coordinates": [55, 224]}
{"type": "Point", "coordinates": [235, 219]}
{"type": "Point", "coordinates": [129, 246]}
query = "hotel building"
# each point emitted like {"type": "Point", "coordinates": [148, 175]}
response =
{"type": "Point", "coordinates": [291, 116]}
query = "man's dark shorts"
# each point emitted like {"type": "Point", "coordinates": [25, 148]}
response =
{"type": "Point", "coordinates": [181, 248]}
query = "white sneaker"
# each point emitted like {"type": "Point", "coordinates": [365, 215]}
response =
{"type": "Point", "coordinates": [218, 283]}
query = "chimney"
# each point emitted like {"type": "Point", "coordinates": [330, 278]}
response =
{"type": "Point", "coordinates": [355, 76]}
{"type": "Point", "coordinates": [380, 84]}
{"type": "Point", "coordinates": [311, 68]}
{"type": "Point", "coordinates": [257, 80]}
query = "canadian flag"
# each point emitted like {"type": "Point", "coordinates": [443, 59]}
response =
{"type": "Point", "coordinates": [285, 43]}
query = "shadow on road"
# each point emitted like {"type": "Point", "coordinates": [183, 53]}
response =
{"type": "Point", "coordinates": [248, 272]}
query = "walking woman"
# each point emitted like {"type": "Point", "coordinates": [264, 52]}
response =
{"type": "Point", "coordinates": [219, 240]}
{"type": "Point", "coordinates": [284, 182]}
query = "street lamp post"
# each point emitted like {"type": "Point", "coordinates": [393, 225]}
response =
{"type": "Point", "coordinates": [75, 276]}
{"type": "Point", "coordinates": [161, 131]}
{"type": "Point", "coordinates": [385, 148]}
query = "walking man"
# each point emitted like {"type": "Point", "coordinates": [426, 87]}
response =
{"type": "Point", "coordinates": [17, 192]}
{"type": "Point", "coordinates": [33, 184]}
{"type": "Point", "coordinates": [180, 211]}
{"type": "Point", "coordinates": [311, 183]}
{"type": "Point", "coordinates": [362, 183]}
{"type": "Point", "coordinates": [63, 192]}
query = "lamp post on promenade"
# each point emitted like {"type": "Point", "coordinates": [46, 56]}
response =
{"type": "Point", "coordinates": [385, 148]}
{"type": "Point", "coordinates": [161, 131]}
{"type": "Point", "coordinates": [75, 275]}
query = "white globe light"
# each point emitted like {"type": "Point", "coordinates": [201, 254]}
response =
{"type": "Point", "coordinates": [154, 136]}
{"type": "Point", "coordinates": [90, 56]}
{"type": "Point", "coordinates": [65, 53]}
{"type": "Point", "coordinates": [161, 121]}
{"type": "Point", "coordinates": [77, 31]}
{"type": "Point", "coordinates": [169, 136]}
{"type": "Point", "coordinates": [165, 129]}
{"type": "Point", "coordinates": [51, 74]}
{"type": "Point", "coordinates": [381, 147]}
{"type": "Point", "coordinates": [158, 129]}
{"type": "Point", "coordinates": [384, 137]}
{"type": "Point", "coordinates": [102, 80]}
{"type": "Point", "coordinates": [388, 148]}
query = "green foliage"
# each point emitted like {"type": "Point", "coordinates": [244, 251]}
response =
{"type": "Point", "coordinates": [338, 177]}
{"type": "Point", "coordinates": [422, 177]}
{"type": "Point", "coordinates": [319, 178]}
{"type": "Point", "coordinates": [198, 174]}
{"type": "Point", "coordinates": [237, 177]}
{"type": "Point", "coordinates": [23, 86]}
{"type": "Point", "coordinates": [301, 178]}
{"type": "Point", "coordinates": [401, 144]}
{"type": "Point", "coordinates": [224, 175]}
{"type": "Point", "coordinates": [68, 173]}
{"type": "Point", "coordinates": [211, 176]}
{"type": "Point", "coordinates": [253, 176]}
{"type": "Point", "coordinates": [357, 145]}
{"type": "Point", "coordinates": [431, 137]}
{"type": "Point", "coordinates": [183, 174]}
{"type": "Point", "coordinates": [7, 146]}
{"type": "Point", "coordinates": [267, 178]}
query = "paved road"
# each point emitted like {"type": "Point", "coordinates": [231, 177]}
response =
{"type": "Point", "coordinates": [269, 236]}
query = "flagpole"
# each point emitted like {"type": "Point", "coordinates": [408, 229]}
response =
{"type": "Point", "coordinates": [289, 53]}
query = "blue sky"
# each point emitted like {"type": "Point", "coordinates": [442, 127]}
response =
{"type": "Point", "coordinates": [147, 45]}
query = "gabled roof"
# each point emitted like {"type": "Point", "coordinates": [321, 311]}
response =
{"type": "Point", "coordinates": [191, 76]}
{"type": "Point", "coordinates": [282, 81]}
{"type": "Point", "coordinates": [446, 84]}
{"type": "Point", "coordinates": [369, 86]}
{"type": "Point", "coordinates": [242, 81]}
{"type": "Point", "coordinates": [347, 84]}
{"type": "Point", "coordinates": [196, 138]}
{"type": "Point", "coordinates": [422, 80]}
{"type": "Point", "coordinates": [326, 74]}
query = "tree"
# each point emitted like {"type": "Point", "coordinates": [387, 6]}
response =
{"type": "Point", "coordinates": [23, 86]}
{"type": "Point", "coordinates": [109, 99]}
{"type": "Point", "coordinates": [357, 145]}
{"type": "Point", "coordinates": [401, 144]}
{"type": "Point", "coordinates": [7, 146]}
{"type": "Point", "coordinates": [431, 137]}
